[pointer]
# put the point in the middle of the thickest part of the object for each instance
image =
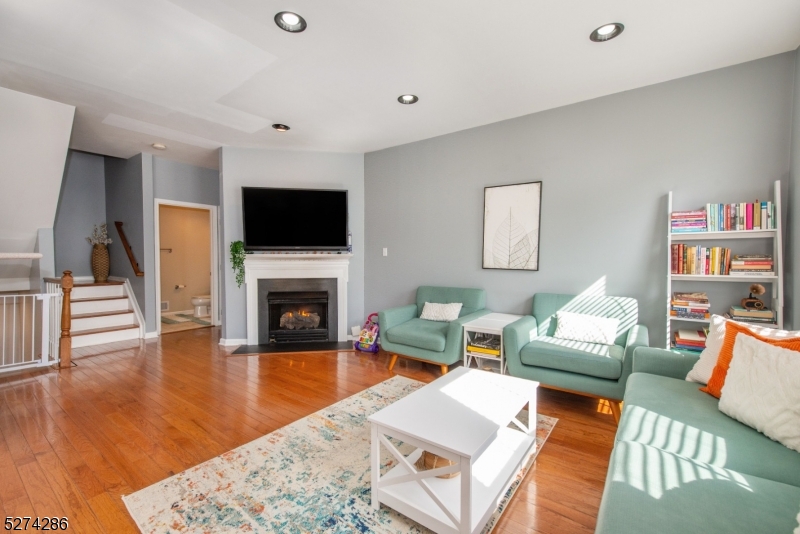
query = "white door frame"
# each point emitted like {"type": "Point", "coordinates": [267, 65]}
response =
{"type": "Point", "coordinates": [214, 227]}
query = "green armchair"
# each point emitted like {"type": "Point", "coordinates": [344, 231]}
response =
{"type": "Point", "coordinates": [589, 369]}
{"type": "Point", "coordinates": [404, 334]}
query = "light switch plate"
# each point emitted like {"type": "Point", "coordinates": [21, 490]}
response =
{"type": "Point", "coordinates": [385, 251]}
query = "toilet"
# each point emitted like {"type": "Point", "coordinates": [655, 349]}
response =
{"type": "Point", "coordinates": [201, 304]}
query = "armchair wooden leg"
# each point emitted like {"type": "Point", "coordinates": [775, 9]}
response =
{"type": "Point", "coordinates": [444, 369]}
{"type": "Point", "coordinates": [392, 361]}
{"type": "Point", "coordinates": [616, 409]}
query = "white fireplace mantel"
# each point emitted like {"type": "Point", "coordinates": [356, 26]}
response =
{"type": "Point", "coordinates": [271, 266]}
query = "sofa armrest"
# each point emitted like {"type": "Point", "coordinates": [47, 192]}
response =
{"type": "Point", "coordinates": [395, 316]}
{"type": "Point", "coordinates": [638, 336]}
{"type": "Point", "coordinates": [517, 335]}
{"type": "Point", "coordinates": [663, 362]}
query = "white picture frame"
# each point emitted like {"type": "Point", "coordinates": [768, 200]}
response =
{"type": "Point", "coordinates": [511, 223]}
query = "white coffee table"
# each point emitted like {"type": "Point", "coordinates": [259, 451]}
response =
{"type": "Point", "coordinates": [493, 325]}
{"type": "Point", "coordinates": [463, 416]}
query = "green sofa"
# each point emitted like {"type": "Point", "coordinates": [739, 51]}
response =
{"type": "Point", "coordinates": [403, 333]}
{"type": "Point", "coordinates": [679, 465]}
{"type": "Point", "coordinates": [585, 368]}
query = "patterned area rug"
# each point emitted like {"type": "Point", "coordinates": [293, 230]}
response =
{"type": "Point", "coordinates": [310, 476]}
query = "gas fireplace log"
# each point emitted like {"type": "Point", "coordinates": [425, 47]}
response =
{"type": "Point", "coordinates": [299, 320]}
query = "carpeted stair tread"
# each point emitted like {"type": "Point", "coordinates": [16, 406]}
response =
{"type": "Point", "coordinates": [75, 333]}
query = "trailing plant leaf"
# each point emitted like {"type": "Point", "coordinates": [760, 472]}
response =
{"type": "Point", "coordinates": [237, 260]}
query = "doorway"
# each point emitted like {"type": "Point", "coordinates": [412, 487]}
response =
{"type": "Point", "coordinates": [186, 266]}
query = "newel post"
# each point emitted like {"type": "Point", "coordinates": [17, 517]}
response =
{"type": "Point", "coordinates": [65, 345]}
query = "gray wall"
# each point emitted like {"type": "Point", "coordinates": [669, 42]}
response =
{"type": "Point", "coordinates": [793, 205]}
{"type": "Point", "coordinates": [81, 205]}
{"type": "Point", "coordinates": [186, 183]}
{"type": "Point", "coordinates": [606, 166]}
{"type": "Point", "coordinates": [124, 202]}
{"type": "Point", "coordinates": [280, 168]}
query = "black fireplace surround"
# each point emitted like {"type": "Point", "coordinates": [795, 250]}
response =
{"type": "Point", "coordinates": [292, 310]}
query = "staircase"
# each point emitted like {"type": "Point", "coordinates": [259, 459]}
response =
{"type": "Point", "coordinates": [102, 313]}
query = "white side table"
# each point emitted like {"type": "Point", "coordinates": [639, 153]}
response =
{"type": "Point", "coordinates": [491, 325]}
{"type": "Point", "coordinates": [470, 418]}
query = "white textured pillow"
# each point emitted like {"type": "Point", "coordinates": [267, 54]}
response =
{"type": "Point", "coordinates": [761, 390]}
{"type": "Point", "coordinates": [702, 370]}
{"type": "Point", "coordinates": [433, 311]}
{"type": "Point", "coordinates": [586, 328]}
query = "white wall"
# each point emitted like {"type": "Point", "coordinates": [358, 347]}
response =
{"type": "Point", "coordinates": [282, 168]}
{"type": "Point", "coordinates": [34, 136]}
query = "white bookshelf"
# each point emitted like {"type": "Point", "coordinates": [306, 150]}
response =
{"type": "Point", "coordinates": [775, 281]}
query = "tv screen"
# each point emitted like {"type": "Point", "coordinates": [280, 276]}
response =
{"type": "Point", "coordinates": [294, 219]}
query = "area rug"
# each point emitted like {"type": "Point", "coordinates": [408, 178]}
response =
{"type": "Point", "coordinates": [310, 476]}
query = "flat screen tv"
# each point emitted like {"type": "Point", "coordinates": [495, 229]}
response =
{"type": "Point", "coordinates": [294, 219]}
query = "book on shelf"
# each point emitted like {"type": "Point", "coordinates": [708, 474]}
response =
{"type": "Point", "coordinates": [689, 306]}
{"type": "Point", "coordinates": [752, 264]}
{"type": "Point", "coordinates": [693, 298]}
{"type": "Point", "coordinates": [690, 259]}
{"type": "Point", "coordinates": [688, 221]}
{"type": "Point", "coordinates": [694, 340]}
{"type": "Point", "coordinates": [483, 350]}
{"type": "Point", "coordinates": [739, 216]}
{"type": "Point", "coordinates": [751, 320]}
{"type": "Point", "coordinates": [763, 313]}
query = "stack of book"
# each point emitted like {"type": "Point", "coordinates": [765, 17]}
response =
{"type": "Point", "coordinates": [690, 306]}
{"type": "Point", "coordinates": [762, 316]}
{"type": "Point", "coordinates": [684, 222]}
{"type": "Point", "coordinates": [489, 345]}
{"type": "Point", "coordinates": [700, 260]}
{"type": "Point", "coordinates": [752, 264]}
{"type": "Point", "coordinates": [693, 340]}
{"type": "Point", "coordinates": [740, 216]}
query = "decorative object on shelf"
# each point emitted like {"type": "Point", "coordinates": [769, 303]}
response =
{"type": "Point", "coordinates": [751, 302]}
{"type": "Point", "coordinates": [511, 217]}
{"type": "Point", "coordinates": [428, 461]}
{"type": "Point", "coordinates": [237, 260]}
{"type": "Point", "coordinates": [101, 263]}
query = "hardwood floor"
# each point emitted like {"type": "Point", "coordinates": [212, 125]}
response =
{"type": "Point", "coordinates": [131, 414]}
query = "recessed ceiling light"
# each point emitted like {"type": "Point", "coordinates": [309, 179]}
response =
{"type": "Point", "coordinates": [281, 127]}
{"type": "Point", "coordinates": [290, 22]}
{"type": "Point", "coordinates": [407, 99]}
{"type": "Point", "coordinates": [159, 146]}
{"type": "Point", "coordinates": [606, 32]}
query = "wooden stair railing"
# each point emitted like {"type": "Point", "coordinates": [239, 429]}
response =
{"type": "Point", "coordinates": [65, 343]}
{"type": "Point", "coordinates": [128, 249]}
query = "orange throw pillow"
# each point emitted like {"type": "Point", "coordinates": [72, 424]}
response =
{"type": "Point", "coordinates": [732, 329]}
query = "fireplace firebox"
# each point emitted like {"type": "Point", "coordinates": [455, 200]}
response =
{"type": "Point", "coordinates": [296, 316]}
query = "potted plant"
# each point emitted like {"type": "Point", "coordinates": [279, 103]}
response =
{"type": "Point", "coordinates": [101, 264]}
{"type": "Point", "coordinates": [237, 260]}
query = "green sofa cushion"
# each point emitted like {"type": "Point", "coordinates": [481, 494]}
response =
{"type": "Point", "coordinates": [675, 416]}
{"type": "Point", "coordinates": [429, 335]}
{"type": "Point", "coordinates": [592, 359]}
{"type": "Point", "coordinates": [650, 490]}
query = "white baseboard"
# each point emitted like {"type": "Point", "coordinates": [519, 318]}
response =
{"type": "Point", "coordinates": [151, 335]}
{"type": "Point", "coordinates": [232, 342]}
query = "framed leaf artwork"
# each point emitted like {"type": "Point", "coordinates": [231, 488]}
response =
{"type": "Point", "coordinates": [511, 216]}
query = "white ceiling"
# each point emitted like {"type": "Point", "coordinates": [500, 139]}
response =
{"type": "Point", "coordinates": [199, 74]}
